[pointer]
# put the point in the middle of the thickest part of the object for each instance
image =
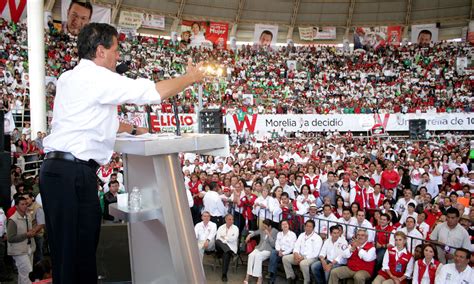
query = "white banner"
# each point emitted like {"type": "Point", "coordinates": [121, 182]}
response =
{"type": "Point", "coordinates": [130, 20]}
{"type": "Point", "coordinates": [325, 33]}
{"type": "Point", "coordinates": [317, 33]}
{"type": "Point", "coordinates": [74, 17]}
{"type": "Point", "coordinates": [265, 35]}
{"type": "Point", "coordinates": [306, 33]}
{"type": "Point", "coordinates": [424, 34]}
{"type": "Point", "coordinates": [151, 21]}
{"type": "Point", "coordinates": [264, 123]}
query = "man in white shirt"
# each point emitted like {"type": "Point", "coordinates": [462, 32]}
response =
{"type": "Point", "coordinates": [330, 256]}
{"type": "Point", "coordinates": [227, 238]}
{"type": "Point", "coordinates": [284, 244]}
{"type": "Point", "coordinates": [414, 237]}
{"type": "Point", "coordinates": [205, 233]}
{"type": "Point", "coordinates": [213, 204]}
{"type": "Point", "coordinates": [458, 272]}
{"type": "Point", "coordinates": [345, 221]}
{"type": "Point", "coordinates": [402, 203]}
{"type": "Point", "coordinates": [113, 177]}
{"type": "Point", "coordinates": [82, 138]}
{"type": "Point", "coordinates": [361, 222]}
{"type": "Point", "coordinates": [449, 235]}
{"type": "Point", "coordinates": [323, 223]}
{"type": "Point", "coordinates": [306, 251]}
{"type": "Point", "coordinates": [430, 184]}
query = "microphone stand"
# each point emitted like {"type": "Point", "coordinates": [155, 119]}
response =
{"type": "Point", "coordinates": [176, 117]}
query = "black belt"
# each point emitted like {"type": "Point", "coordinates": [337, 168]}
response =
{"type": "Point", "coordinates": [58, 155]}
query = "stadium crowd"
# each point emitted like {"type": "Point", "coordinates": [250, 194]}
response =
{"type": "Point", "coordinates": [334, 205]}
{"type": "Point", "coordinates": [304, 79]}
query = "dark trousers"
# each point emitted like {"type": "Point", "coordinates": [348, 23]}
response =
{"type": "Point", "coordinates": [378, 261]}
{"type": "Point", "coordinates": [73, 215]}
{"type": "Point", "coordinates": [273, 265]}
{"type": "Point", "coordinates": [217, 220]}
{"type": "Point", "coordinates": [226, 252]}
{"type": "Point", "coordinates": [38, 255]}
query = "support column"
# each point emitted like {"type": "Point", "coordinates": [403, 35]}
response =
{"type": "Point", "coordinates": [233, 31]}
{"type": "Point", "coordinates": [174, 26]}
{"type": "Point", "coordinates": [36, 69]}
{"type": "Point", "coordinates": [289, 36]}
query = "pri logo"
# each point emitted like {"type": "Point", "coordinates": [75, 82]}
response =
{"type": "Point", "coordinates": [15, 10]}
{"type": "Point", "coordinates": [379, 122]}
{"type": "Point", "coordinates": [240, 124]}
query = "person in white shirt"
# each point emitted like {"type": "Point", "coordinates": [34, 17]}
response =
{"type": "Point", "coordinates": [305, 199]}
{"type": "Point", "coordinates": [284, 244]}
{"type": "Point", "coordinates": [261, 206]}
{"type": "Point", "coordinates": [205, 233]}
{"type": "Point", "coordinates": [306, 251]}
{"type": "Point", "coordinates": [345, 221]}
{"type": "Point", "coordinates": [84, 129]}
{"type": "Point", "coordinates": [426, 268]}
{"type": "Point", "coordinates": [414, 237]}
{"type": "Point", "coordinates": [213, 204]}
{"type": "Point", "coordinates": [330, 256]}
{"type": "Point", "coordinates": [402, 203]}
{"type": "Point", "coordinates": [323, 222]}
{"type": "Point", "coordinates": [450, 234]}
{"type": "Point", "coordinates": [262, 251]}
{"type": "Point", "coordinates": [458, 272]}
{"type": "Point", "coordinates": [430, 185]}
{"type": "Point", "coordinates": [226, 243]}
{"type": "Point", "coordinates": [360, 222]}
{"type": "Point", "coordinates": [410, 212]}
{"type": "Point", "coordinates": [421, 225]}
{"type": "Point", "coordinates": [397, 264]}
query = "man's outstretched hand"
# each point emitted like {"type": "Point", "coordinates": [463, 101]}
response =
{"type": "Point", "coordinates": [196, 72]}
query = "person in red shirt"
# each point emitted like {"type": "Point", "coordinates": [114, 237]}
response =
{"type": "Point", "coordinates": [390, 178]}
{"type": "Point", "coordinates": [247, 202]}
{"type": "Point", "coordinates": [397, 262]}
{"type": "Point", "coordinates": [432, 215]}
{"type": "Point", "coordinates": [360, 261]}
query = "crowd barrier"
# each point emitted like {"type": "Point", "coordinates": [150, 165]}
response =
{"type": "Point", "coordinates": [297, 225]}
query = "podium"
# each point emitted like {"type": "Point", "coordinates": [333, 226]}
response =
{"type": "Point", "coordinates": [162, 242]}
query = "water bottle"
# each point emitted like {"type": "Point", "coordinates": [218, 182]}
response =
{"type": "Point", "coordinates": [135, 200]}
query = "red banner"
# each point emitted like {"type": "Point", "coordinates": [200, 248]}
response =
{"type": "Point", "coordinates": [394, 35]}
{"type": "Point", "coordinates": [214, 32]}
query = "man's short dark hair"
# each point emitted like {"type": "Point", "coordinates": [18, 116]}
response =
{"type": "Point", "coordinates": [113, 182]}
{"type": "Point", "coordinates": [84, 4]}
{"type": "Point", "coordinates": [334, 227]}
{"type": "Point", "coordinates": [452, 210]}
{"type": "Point", "coordinates": [310, 221]}
{"type": "Point", "coordinates": [466, 251]}
{"type": "Point", "coordinates": [19, 199]}
{"type": "Point", "coordinates": [428, 32]}
{"type": "Point", "coordinates": [386, 216]}
{"type": "Point", "coordinates": [266, 32]}
{"type": "Point", "coordinates": [93, 35]}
